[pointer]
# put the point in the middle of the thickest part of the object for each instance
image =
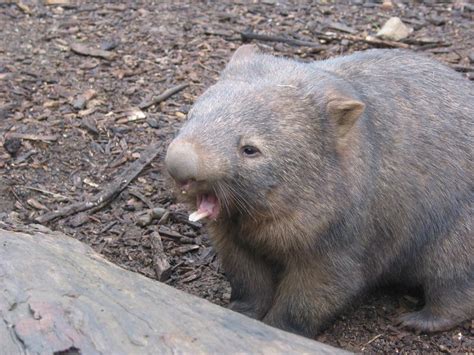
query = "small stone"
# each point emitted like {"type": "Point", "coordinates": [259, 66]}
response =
{"type": "Point", "coordinates": [81, 100]}
{"type": "Point", "coordinates": [147, 218]}
{"type": "Point", "coordinates": [78, 220]}
{"type": "Point", "coordinates": [394, 29]}
{"type": "Point", "coordinates": [12, 146]}
{"type": "Point", "coordinates": [57, 2]}
{"type": "Point", "coordinates": [437, 20]}
{"type": "Point", "coordinates": [110, 44]}
{"type": "Point", "coordinates": [153, 122]}
{"type": "Point", "coordinates": [387, 5]}
{"type": "Point", "coordinates": [471, 56]}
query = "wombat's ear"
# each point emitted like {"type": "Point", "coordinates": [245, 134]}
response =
{"type": "Point", "coordinates": [244, 52]}
{"type": "Point", "coordinates": [344, 112]}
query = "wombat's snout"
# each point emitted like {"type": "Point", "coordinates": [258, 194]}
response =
{"type": "Point", "coordinates": [182, 161]}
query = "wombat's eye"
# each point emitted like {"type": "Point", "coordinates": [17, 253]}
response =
{"type": "Point", "coordinates": [250, 151]}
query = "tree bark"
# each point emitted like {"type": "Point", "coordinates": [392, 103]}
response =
{"type": "Point", "coordinates": [58, 296]}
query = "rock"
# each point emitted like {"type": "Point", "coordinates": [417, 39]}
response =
{"type": "Point", "coordinates": [81, 101]}
{"type": "Point", "coordinates": [471, 56]}
{"type": "Point", "coordinates": [387, 5]}
{"type": "Point", "coordinates": [394, 29]}
{"type": "Point", "coordinates": [146, 218]}
{"type": "Point", "coordinates": [153, 122]}
{"type": "Point", "coordinates": [437, 20]}
{"type": "Point", "coordinates": [110, 43]}
{"type": "Point", "coordinates": [12, 146]}
{"type": "Point", "coordinates": [78, 220]}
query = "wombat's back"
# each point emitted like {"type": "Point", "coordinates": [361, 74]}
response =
{"type": "Point", "coordinates": [419, 127]}
{"type": "Point", "coordinates": [404, 82]}
{"type": "Point", "coordinates": [419, 118]}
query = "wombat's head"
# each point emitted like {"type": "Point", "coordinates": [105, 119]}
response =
{"type": "Point", "coordinates": [265, 135]}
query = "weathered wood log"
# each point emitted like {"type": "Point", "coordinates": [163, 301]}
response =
{"type": "Point", "coordinates": [58, 296]}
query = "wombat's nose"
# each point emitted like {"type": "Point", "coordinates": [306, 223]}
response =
{"type": "Point", "coordinates": [182, 161]}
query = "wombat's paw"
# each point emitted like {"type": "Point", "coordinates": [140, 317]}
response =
{"type": "Point", "coordinates": [425, 322]}
{"type": "Point", "coordinates": [245, 308]}
{"type": "Point", "coordinates": [288, 324]}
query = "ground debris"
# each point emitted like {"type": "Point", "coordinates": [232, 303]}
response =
{"type": "Point", "coordinates": [12, 145]}
{"type": "Point", "coordinates": [147, 218]}
{"type": "Point", "coordinates": [106, 196]}
{"type": "Point", "coordinates": [90, 51]}
{"type": "Point", "coordinates": [154, 68]}
{"type": "Point", "coordinates": [80, 102]}
{"type": "Point", "coordinates": [161, 266]}
{"type": "Point", "coordinates": [163, 96]}
{"type": "Point", "coordinates": [249, 35]}
{"type": "Point", "coordinates": [339, 27]}
{"type": "Point", "coordinates": [184, 249]}
{"type": "Point", "coordinates": [32, 137]}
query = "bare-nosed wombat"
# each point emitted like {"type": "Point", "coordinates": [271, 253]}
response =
{"type": "Point", "coordinates": [322, 180]}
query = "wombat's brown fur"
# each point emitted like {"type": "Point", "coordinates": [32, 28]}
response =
{"type": "Point", "coordinates": [325, 179]}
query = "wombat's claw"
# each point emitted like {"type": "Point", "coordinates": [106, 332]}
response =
{"type": "Point", "coordinates": [425, 322]}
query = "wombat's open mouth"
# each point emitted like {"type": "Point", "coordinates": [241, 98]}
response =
{"type": "Point", "coordinates": [207, 205]}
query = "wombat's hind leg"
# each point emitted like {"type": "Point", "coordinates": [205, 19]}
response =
{"type": "Point", "coordinates": [444, 309]}
{"type": "Point", "coordinates": [425, 321]}
{"type": "Point", "coordinates": [448, 280]}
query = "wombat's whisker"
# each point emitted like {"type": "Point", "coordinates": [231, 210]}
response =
{"type": "Point", "coordinates": [222, 196]}
{"type": "Point", "coordinates": [227, 194]}
{"type": "Point", "coordinates": [240, 202]}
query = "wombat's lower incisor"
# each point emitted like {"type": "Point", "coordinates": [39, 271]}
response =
{"type": "Point", "coordinates": [323, 180]}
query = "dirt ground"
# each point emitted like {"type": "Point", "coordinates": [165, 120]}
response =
{"type": "Point", "coordinates": [70, 122]}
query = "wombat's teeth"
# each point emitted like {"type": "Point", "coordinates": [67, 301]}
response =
{"type": "Point", "coordinates": [197, 215]}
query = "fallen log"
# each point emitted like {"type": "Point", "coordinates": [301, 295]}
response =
{"type": "Point", "coordinates": [59, 296]}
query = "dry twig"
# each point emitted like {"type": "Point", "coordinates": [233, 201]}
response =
{"type": "Point", "coordinates": [106, 196]}
{"type": "Point", "coordinates": [249, 35]}
{"type": "Point", "coordinates": [367, 39]}
{"type": "Point", "coordinates": [32, 137]}
{"type": "Point", "coordinates": [162, 97]}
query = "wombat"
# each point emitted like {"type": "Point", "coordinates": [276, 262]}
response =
{"type": "Point", "coordinates": [323, 180]}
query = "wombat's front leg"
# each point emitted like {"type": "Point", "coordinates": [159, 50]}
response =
{"type": "Point", "coordinates": [250, 279]}
{"type": "Point", "coordinates": [308, 297]}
